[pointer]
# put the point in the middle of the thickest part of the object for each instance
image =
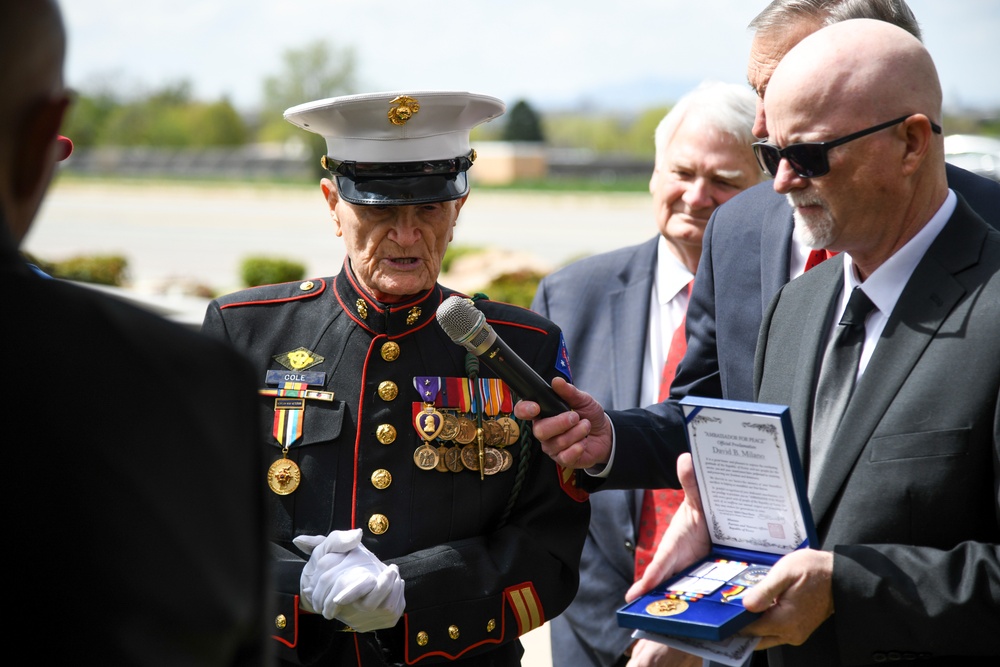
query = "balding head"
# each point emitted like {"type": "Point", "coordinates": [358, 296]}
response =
{"type": "Point", "coordinates": [862, 68]}
{"type": "Point", "coordinates": [843, 79]}
{"type": "Point", "coordinates": [32, 48]}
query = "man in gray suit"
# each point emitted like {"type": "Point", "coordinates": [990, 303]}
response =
{"type": "Point", "coordinates": [636, 297]}
{"type": "Point", "coordinates": [903, 480]}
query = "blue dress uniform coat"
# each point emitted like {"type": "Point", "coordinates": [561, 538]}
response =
{"type": "Point", "coordinates": [474, 581]}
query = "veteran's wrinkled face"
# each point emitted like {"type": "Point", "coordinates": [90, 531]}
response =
{"type": "Point", "coordinates": [395, 251]}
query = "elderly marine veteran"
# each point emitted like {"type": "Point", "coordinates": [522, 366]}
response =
{"type": "Point", "coordinates": [367, 406]}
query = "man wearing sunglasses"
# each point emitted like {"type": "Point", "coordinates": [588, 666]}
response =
{"type": "Point", "coordinates": [748, 248]}
{"type": "Point", "coordinates": [903, 490]}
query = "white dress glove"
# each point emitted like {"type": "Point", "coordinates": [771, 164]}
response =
{"type": "Point", "coordinates": [344, 580]}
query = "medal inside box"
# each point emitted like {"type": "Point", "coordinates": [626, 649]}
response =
{"type": "Point", "coordinates": [743, 453]}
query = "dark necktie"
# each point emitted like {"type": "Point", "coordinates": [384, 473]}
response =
{"type": "Point", "coordinates": [836, 381]}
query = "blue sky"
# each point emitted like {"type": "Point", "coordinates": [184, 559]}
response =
{"type": "Point", "coordinates": [555, 53]}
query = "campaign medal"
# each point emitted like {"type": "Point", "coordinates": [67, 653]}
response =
{"type": "Point", "coordinates": [442, 464]}
{"type": "Point", "coordinates": [453, 459]}
{"type": "Point", "coordinates": [284, 475]}
{"type": "Point", "coordinates": [666, 607]}
{"type": "Point", "coordinates": [449, 431]}
{"type": "Point", "coordinates": [492, 461]}
{"type": "Point", "coordinates": [290, 397]}
{"type": "Point", "coordinates": [425, 457]}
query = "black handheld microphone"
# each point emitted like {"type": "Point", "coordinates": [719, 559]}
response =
{"type": "Point", "coordinates": [466, 326]}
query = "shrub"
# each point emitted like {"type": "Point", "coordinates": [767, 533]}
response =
{"type": "Point", "coordinates": [518, 287]}
{"type": "Point", "coordinates": [98, 269]}
{"type": "Point", "coordinates": [270, 270]}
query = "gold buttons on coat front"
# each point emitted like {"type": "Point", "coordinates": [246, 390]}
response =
{"type": "Point", "coordinates": [390, 351]}
{"type": "Point", "coordinates": [388, 390]}
{"type": "Point", "coordinates": [381, 479]}
{"type": "Point", "coordinates": [378, 523]}
{"type": "Point", "coordinates": [280, 622]}
{"type": "Point", "coordinates": [491, 625]}
{"type": "Point", "coordinates": [386, 433]}
{"type": "Point", "coordinates": [422, 638]}
{"type": "Point", "coordinates": [453, 631]}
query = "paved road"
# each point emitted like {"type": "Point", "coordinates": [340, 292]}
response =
{"type": "Point", "coordinates": [201, 233]}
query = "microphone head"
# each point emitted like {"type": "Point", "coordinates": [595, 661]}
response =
{"type": "Point", "coordinates": [459, 318]}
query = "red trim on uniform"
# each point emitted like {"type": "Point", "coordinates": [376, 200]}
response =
{"type": "Point", "coordinates": [359, 289]}
{"type": "Point", "coordinates": [451, 656]}
{"type": "Point", "coordinates": [529, 616]}
{"type": "Point", "coordinates": [357, 649]}
{"type": "Point", "coordinates": [295, 635]}
{"type": "Point", "coordinates": [567, 481]}
{"type": "Point", "coordinates": [520, 326]}
{"type": "Point", "coordinates": [348, 309]}
{"type": "Point", "coordinates": [316, 292]}
{"type": "Point", "coordinates": [357, 438]}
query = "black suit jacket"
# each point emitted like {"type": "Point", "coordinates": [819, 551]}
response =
{"type": "Point", "coordinates": [134, 483]}
{"type": "Point", "coordinates": [909, 505]}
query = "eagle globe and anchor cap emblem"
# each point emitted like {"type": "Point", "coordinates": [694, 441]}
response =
{"type": "Point", "coordinates": [406, 107]}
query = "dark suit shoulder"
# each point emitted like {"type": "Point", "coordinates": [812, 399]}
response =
{"type": "Point", "coordinates": [498, 312]}
{"type": "Point", "coordinates": [301, 290]}
{"type": "Point", "coordinates": [602, 265]}
{"type": "Point", "coordinates": [982, 194]}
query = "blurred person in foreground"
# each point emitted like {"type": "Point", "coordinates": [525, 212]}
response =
{"type": "Point", "coordinates": [399, 537]}
{"type": "Point", "coordinates": [622, 313]}
{"type": "Point", "coordinates": [749, 252]}
{"type": "Point", "coordinates": [133, 492]}
{"type": "Point", "coordinates": [903, 477]}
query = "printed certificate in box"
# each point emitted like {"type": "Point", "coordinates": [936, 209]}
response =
{"type": "Point", "coordinates": [754, 499]}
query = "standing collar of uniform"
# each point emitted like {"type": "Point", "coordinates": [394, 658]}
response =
{"type": "Point", "coordinates": [390, 319]}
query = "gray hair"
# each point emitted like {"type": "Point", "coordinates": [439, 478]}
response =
{"type": "Point", "coordinates": [725, 107]}
{"type": "Point", "coordinates": [780, 13]}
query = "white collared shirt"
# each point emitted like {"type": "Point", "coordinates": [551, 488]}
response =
{"type": "Point", "coordinates": [668, 303]}
{"type": "Point", "coordinates": [886, 283]}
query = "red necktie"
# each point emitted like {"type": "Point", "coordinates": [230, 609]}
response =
{"type": "Point", "coordinates": [678, 346]}
{"type": "Point", "coordinates": [816, 257]}
{"type": "Point", "coordinates": [660, 505]}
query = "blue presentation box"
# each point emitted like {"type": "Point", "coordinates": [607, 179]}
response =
{"type": "Point", "coordinates": [754, 500]}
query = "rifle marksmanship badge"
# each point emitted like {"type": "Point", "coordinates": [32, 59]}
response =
{"type": "Point", "coordinates": [290, 397]}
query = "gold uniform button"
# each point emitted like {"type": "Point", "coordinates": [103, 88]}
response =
{"type": "Point", "coordinates": [422, 638]}
{"type": "Point", "coordinates": [453, 631]}
{"type": "Point", "coordinates": [390, 351]}
{"type": "Point", "coordinates": [280, 622]}
{"type": "Point", "coordinates": [381, 479]}
{"type": "Point", "coordinates": [386, 433]}
{"type": "Point", "coordinates": [378, 524]}
{"type": "Point", "coordinates": [388, 390]}
{"type": "Point", "coordinates": [307, 285]}
{"type": "Point", "coordinates": [491, 625]}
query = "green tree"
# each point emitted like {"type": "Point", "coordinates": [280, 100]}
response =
{"type": "Point", "coordinates": [316, 71]}
{"type": "Point", "coordinates": [523, 124]}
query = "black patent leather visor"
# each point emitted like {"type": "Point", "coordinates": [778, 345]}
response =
{"type": "Point", "coordinates": [401, 183]}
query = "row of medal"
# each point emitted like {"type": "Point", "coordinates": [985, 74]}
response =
{"type": "Point", "coordinates": [449, 413]}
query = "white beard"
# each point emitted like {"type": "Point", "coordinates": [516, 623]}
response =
{"type": "Point", "coordinates": [816, 232]}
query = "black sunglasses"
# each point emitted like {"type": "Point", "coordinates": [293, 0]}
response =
{"type": "Point", "coordinates": [353, 169]}
{"type": "Point", "coordinates": [810, 160]}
